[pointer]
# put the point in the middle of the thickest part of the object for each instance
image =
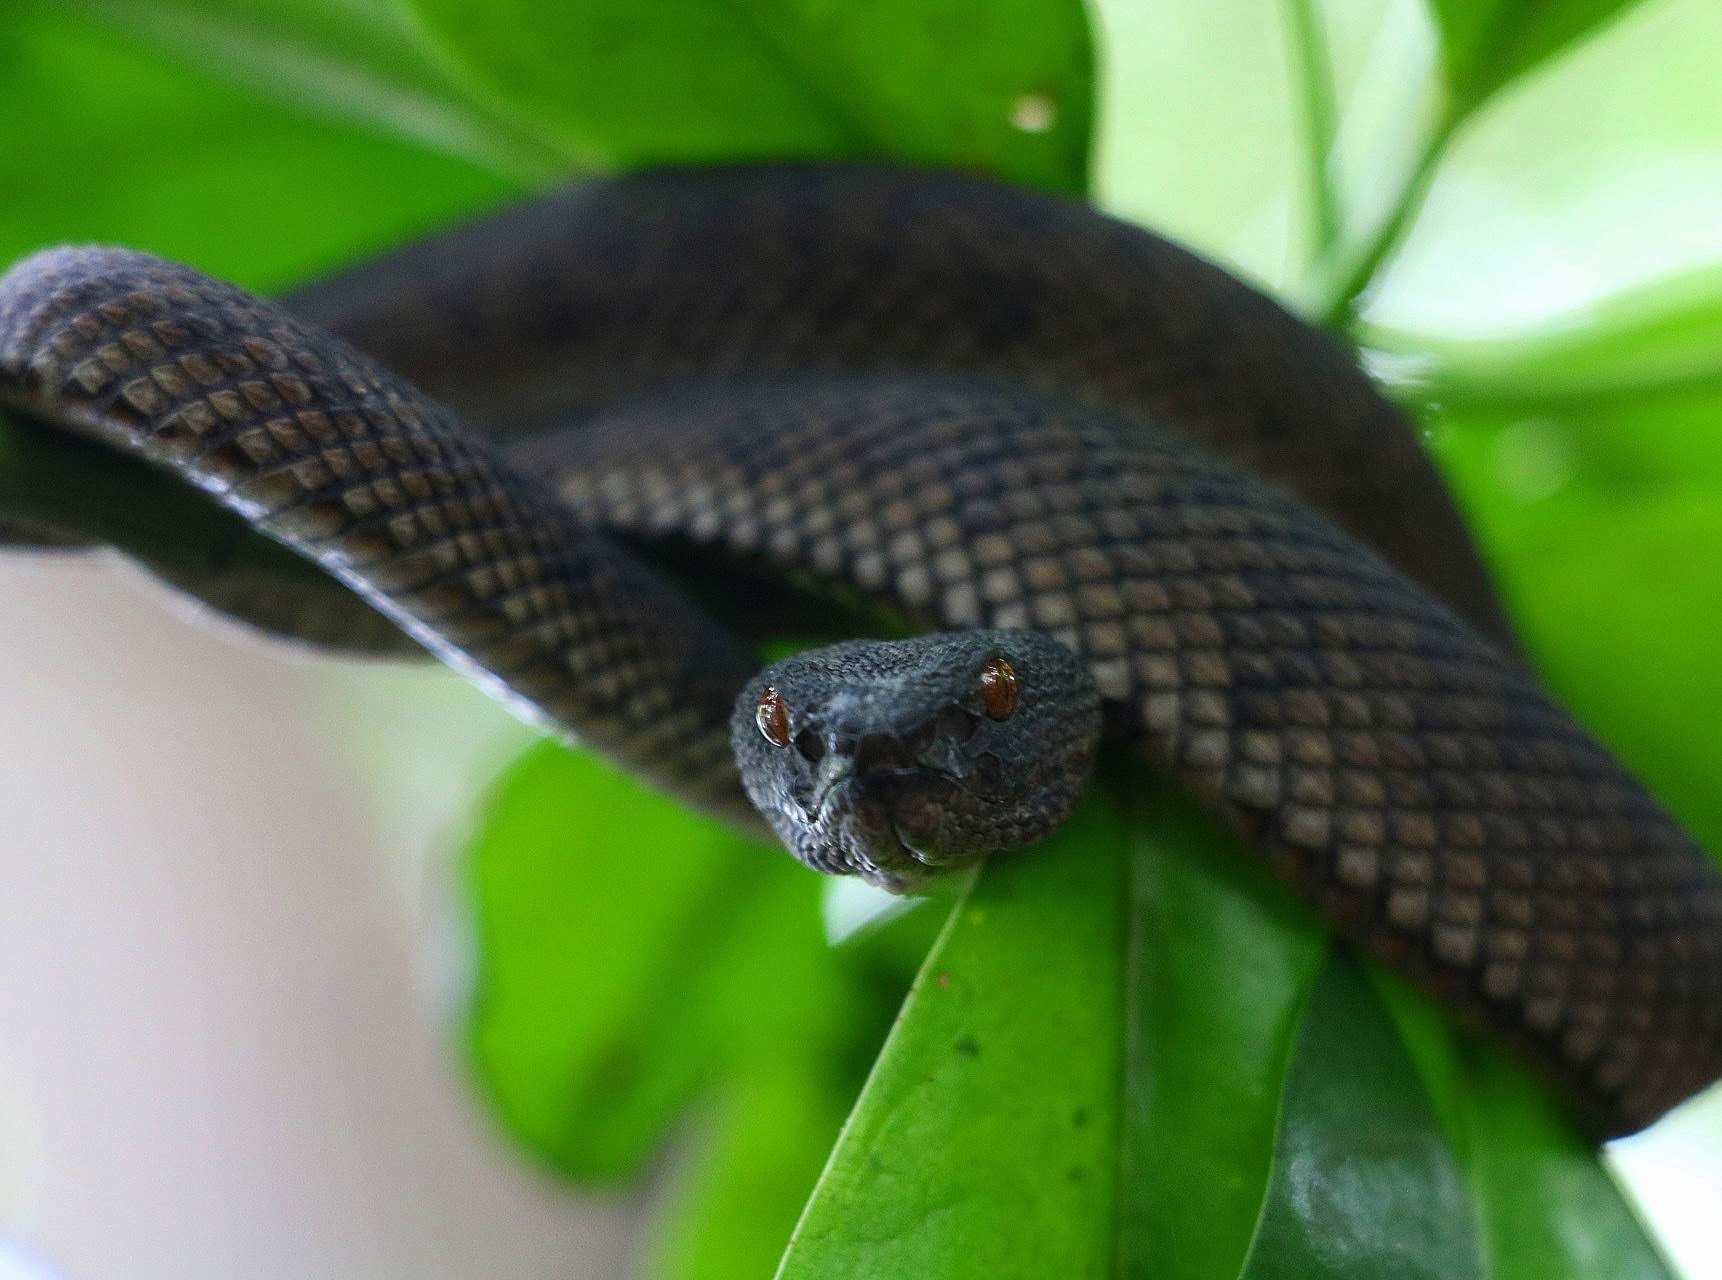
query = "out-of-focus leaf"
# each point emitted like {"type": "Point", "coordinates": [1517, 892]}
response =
{"type": "Point", "coordinates": [985, 1142]}
{"type": "Point", "coordinates": [1363, 1181]}
{"type": "Point", "coordinates": [1624, 629]}
{"type": "Point", "coordinates": [636, 965]}
{"type": "Point", "coordinates": [185, 163]}
{"type": "Point", "coordinates": [1219, 954]}
{"type": "Point", "coordinates": [1543, 1192]}
{"type": "Point", "coordinates": [1486, 44]}
{"type": "Point", "coordinates": [590, 908]}
{"type": "Point", "coordinates": [362, 65]}
{"type": "Point", "coordinates": [630, 953]}
{"type": "Point", "coordinates": [1003, 86]}
{"type": "Point", "coordinates": [751, 1162]}
{"type": "Point", "coordinates": [194, 157]}
{"type": "Point", "coordinates": [1659, 338]}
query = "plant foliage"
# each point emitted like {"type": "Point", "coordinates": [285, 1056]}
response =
{"type": "Point", "coordinates": [1129, 1053]}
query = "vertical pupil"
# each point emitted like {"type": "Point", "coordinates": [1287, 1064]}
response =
{"type": "Point", "coordinates": [998, 688]}
{"type": "Point", "coordinates": [771, 717]}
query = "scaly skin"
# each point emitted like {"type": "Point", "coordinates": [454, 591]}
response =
{"type": "Point", "coordinates": [1390, 762]}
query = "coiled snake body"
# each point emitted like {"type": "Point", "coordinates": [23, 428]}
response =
{"type": "Point", "coordinates": [981, 408]}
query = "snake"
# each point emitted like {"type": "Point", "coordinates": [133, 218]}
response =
{"type": "Point", "coordinates": [1099, 494]}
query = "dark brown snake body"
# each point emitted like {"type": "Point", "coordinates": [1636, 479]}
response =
{"type": "Point", "coordinates": [975, 406]}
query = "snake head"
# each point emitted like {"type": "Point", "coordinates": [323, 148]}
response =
{"type": "Point", "coordinates": [897, 760]}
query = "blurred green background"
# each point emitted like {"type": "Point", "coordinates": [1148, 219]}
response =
{"type": "Point", "coordinates": [1514, 208]}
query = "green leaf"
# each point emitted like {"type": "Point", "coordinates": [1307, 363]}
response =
{"type": "Point", "coordinates": [755, 1154]}
{"type": "Point", "coordinates": [361, 65]}
{"type": "Point", "coordinates": [589, 907]}
{"type": "Point", "coordinates": [164, 126]}
{"type": "Point", "coordinates": [107, 139]}
{"type": "Point", "coordinates": [639, 969]}
{"type": "Point", "coordinates": [1003, 86]}
{"type": "Point", "coordinates": [1487, 44]}
{"type": "Point", "coordinates": [1546, 1203]}
{"type": "Point", "coordinates": [1313, 83]}
{"type": "Point", "coordinates": [628, 952]}
{"type": "Point", "coordinates": [1652, 340]}
{"type": "Point", "coordinates": [1547, 1200]}
{"type": "Point", "coordinates": [1363, 1181]}
{"type": "Point", "coordinates": [1325, 1124]}
{"type": "Point", "coordinates": [985, 1142]}
{"type": "Point", "coordinates": [1219, 955]}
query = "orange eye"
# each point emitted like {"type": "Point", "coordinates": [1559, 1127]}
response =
{"type": "Point", "coordinates": [772, 718]}
{"type": "Point", "coordinates": [998, 689]}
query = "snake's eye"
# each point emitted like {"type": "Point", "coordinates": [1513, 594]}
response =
{"type": "Point", "coordinates": [999, 689]}
{"type": "Point", "coordinates": [772, 717]}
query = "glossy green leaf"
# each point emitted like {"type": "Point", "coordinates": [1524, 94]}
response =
{"type": "Point", "coordinates": [1279, 1115]}
{"type": "Point", "coordinates": [1218, 955]}
{"type": "Point", "coordinates": [1003, 86]}
{"type": "Point", "coordinates": [1486, 44]}
{"type": "Point", "coordinates": [1545, 1203]}
{"type": "Point", "coordinates": [1221, 955]}
{"type": "Point", "coordinates": [1363, 1183]}
{"type": "Point", "coordinates": [985, 1142]}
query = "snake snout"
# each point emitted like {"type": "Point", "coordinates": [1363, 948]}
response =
{"type": "Point", "coordinates": [895, 755]}
{"type": "Point", "coordinates": [864, 759]}
{"type": "Point", "coordinates": [877, 752]}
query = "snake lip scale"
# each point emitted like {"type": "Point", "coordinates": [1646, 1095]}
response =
{"type": "Point", "coordinates": [533, 445]}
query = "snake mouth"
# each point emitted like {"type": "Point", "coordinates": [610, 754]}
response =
{"type": "Point", "coordinates": [869, 828]}
{"type": "Point", "coordinates": [903, 869]}
{"type": "Point", "coordinates": [815, 807]}
{"type": "Point", "coordinates": [931, 861]}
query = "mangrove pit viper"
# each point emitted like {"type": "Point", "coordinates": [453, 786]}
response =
{"type": "Point", "coordinates": [984, 412]}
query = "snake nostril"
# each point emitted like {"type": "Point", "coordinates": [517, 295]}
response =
{"type": "Point", "coordinates": [811, 744]}
{"type": "Point", "coordinates": [879, 751]}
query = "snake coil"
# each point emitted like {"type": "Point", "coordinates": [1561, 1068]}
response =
{"type": "Point", "coordinates": [976, 406]}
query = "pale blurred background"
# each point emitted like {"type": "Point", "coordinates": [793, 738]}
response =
{"type": "Point", "coordinates": [227, 931]}
{"type": "Point", "coordinates": [228, 924]}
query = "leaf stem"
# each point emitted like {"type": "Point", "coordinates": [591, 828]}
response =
{"type": "Point", "coordinates": [1339, 312]}
{"type": "Point", "coordinates": [1313, 70]}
